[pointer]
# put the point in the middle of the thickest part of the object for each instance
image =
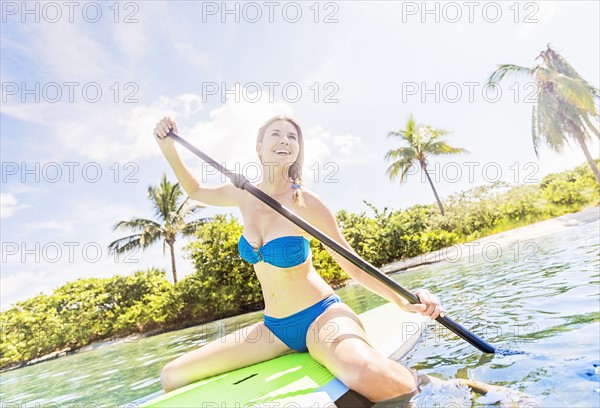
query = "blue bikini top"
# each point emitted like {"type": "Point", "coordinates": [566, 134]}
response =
{"type": "Point", "coordinates": [283, 252]}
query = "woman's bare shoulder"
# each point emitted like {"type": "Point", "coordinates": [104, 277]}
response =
{"type": "Point", "coordinates": [310, 196]}
{"type": "Point", "coordinates": [315, 204]}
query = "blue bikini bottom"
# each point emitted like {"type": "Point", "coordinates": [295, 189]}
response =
{"type": "Point", "coordinates": [292, 329]}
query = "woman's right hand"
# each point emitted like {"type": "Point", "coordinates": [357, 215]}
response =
{"type": "Point", "coordinates": [163, 127]}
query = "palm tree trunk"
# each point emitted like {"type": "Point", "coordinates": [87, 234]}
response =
{"type": "Point", "coordinates": [433, 188]}
{"type": "Point", "coordinates": [171, 247]}
{"type": "Point", "coordinates": [588, 156]}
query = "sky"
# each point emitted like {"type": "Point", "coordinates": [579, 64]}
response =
{"type": "Point", "coordinates": [84, 83]}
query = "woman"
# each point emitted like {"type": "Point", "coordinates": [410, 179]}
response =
{"type": "Point", "coordinates": [295, 295]}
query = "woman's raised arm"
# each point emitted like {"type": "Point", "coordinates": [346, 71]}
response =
{"type": "Point", "coordinates": [224, 196]}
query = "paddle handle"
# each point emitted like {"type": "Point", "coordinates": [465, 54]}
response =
{"type": "Point", "coordinates": [242, 182]}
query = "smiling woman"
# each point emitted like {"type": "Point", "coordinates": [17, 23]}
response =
{"type": "Point", "coordinates": [277, 136]}
{"type": "Point", "coordinates": [297, 299]}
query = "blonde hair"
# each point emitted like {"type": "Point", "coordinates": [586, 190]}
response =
{"type": "Point", "coordinates": [294, 172]}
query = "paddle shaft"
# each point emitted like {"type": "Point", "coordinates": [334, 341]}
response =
{"type": "Point", "coordinates": [241, 182]}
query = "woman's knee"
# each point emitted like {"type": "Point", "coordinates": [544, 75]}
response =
{"type": "Point", "coordinates": [167, 378]}
{"type": "Point", "coordinates": [172, 377]}
{"type": "Point", "coordinates": [355, 374]}
{"type": "Point", "coordinates": [378, 380]}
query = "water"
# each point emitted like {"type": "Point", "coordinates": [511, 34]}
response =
{"type": "Point", "coordinates": [544, 302]}
{"type": "Point", "coordinates": [540, 296]}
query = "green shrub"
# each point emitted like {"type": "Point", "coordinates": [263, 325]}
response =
{"type": "Point", "coordinates": [571, 188]}
{"type": "Point", "coordinates": [223, 284]}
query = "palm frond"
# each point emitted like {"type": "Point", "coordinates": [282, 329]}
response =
{"type": "Point", "coordinates": [430, 134]}
{"type": "Point", "coordinates": [574, 92]}
{"type": "Point", "coordinates": [174, 194]}
{"type": "Point", "coordinates": [164, 198]}
{"type": "Point", "coordinates": [125, 244]}
{"type": "Point", "coordinates": [535, 130]}
{"type": "Point", "coordinates": [504, 70]}
{"type": "Point", "coordinates": [136, 225]}
{"type": "Point", "coordinates": [191, 227]}
{"type": "Point", "coordinates": [550, 123]}
{"type": "Point", "coordinates": [556, 62]}
{"type": "Point", "coordinates": [590, 125]}
{"type": "Point", "coordinates": [400, 153]}
{"type": "Point", "coordinates": [595, 92]}
{"type": "Point", "coordinates": [187, 208]}
{"type": "Point", "coordinates": [408, 133]}
{"type": "Point", "coordinates": [411, 127]}
{"type": "Point", "coordinates": [399, 169]}
{"type": "Point", "coordinates": [443, 148]}
{"type": "Point", "coordinates": [156, 196]}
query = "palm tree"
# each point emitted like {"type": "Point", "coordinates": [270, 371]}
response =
{"type": "Point", "coordinates": [165, 199]}
{"type": "Point", "coordinates": [565, 103]}
{"type": "Point", "coordinates": [423, 141]}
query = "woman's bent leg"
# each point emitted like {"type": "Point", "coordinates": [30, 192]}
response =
{"type": "Point", "coordinates": [249, 345]}
{"type": "Point", "coordinates": [338, 341]}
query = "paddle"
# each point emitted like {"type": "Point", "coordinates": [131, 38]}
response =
{"type": "Point", "coordinates": [241, 182]}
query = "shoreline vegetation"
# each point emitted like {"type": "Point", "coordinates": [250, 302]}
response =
{"type": "Point", "coordinates": [91, 312]}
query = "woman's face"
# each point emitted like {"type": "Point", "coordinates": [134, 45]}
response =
{"type": "Point", "coordinates": [279, 144]}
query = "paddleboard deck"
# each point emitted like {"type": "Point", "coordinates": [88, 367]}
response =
{"type": "Point", "coordinates": [297, 380]}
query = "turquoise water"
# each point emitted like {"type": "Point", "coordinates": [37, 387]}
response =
{"type": "Point", "coordinates": [545, 302]}
{"type": "Point", "coordinates": [540, 296]}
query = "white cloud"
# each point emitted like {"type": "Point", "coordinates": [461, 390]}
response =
{"type": "Point", "coordinates": [9, 206]}
{"type": "Point", "coordinates": [348, 144]}
{"type": "Point", "coordinates": [104, 133]}
{"type": "Point", "coordinates": [321, 146]}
